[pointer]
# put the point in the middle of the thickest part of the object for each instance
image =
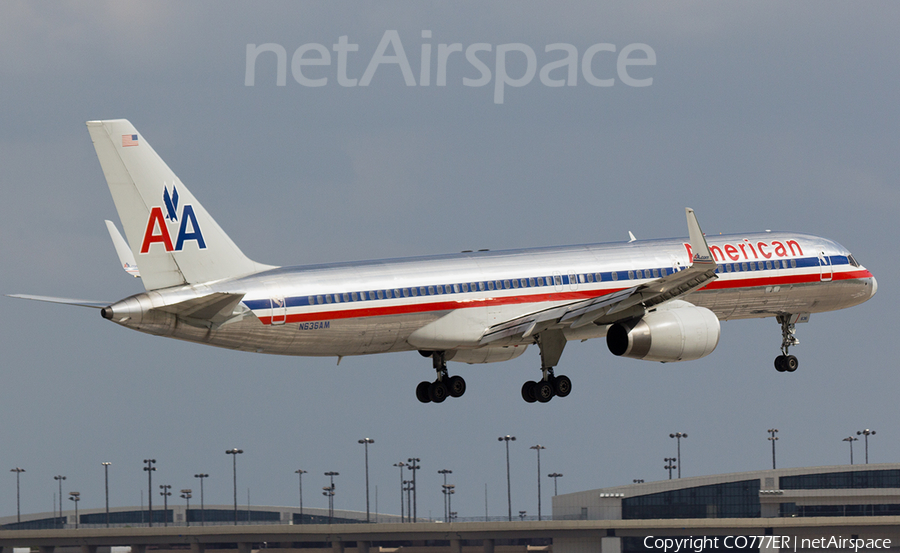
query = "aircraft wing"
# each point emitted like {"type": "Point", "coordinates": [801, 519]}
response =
{"type": "Point", "coordinates": [623, 304]}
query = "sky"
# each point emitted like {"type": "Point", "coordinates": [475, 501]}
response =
{"type": "Point", "coordinates": [763, 115]}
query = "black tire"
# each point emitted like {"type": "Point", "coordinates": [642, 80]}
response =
{"type": "Point", "coordinates": [779, 363]}
{"type": "Point", "coordinates": [543, 391]}
{"type": "Point", "coordinates": [422, 392]}
{"type": "Point", "coordinates": [456, 386]}
{"type": "Point", "coordinates": [791, 363]}
{"type": "Point", "coordinates": [528, 391]}
{"type": "Point", "coordinates": [562, 385]}
{"type": "Point", "coordinates": [437, 392]}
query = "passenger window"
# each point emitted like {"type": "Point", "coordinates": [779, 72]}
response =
{"type": "Point", "coordinates": [328, 298]}
{"type": "Point", "coordinates": [490, 285]}
{"type": "Point", "coordinates": [515, 283]}
{"type": "Point", "coordinates": [346, 297]}
{"type": "Point", "coordinates": [406, 292]}
{"type": "Point", "coordinates": [413, 292]}
{"type": "Point", "coordinates": [769, 265]}
{"type": "Point", "coordinates": [590, 277]}
{"type": "Point", "coordinates": [581, 279]}
{"type": "Point", "coordinates": [793, 263]}
{"type": "Point", "coordinates": [630, 275]}
{"type": "Point", "coordinates": [311, 300]}
{"type": "Point", "coordinates": [615, 275]}
{"type": "Point", "coordinates": [506, 285]}
{"type": "Point", "coordinates": [744, 267]}
{"type": "Point", "coordinates": [320, 300]}
{"type": "Point", "coordinates": [481, 287]}
{"type": "Point", "coordinates": [380, 294]}
{"type": "Point", "coordinates": [354, 296]}
{"type": "Point", "coordinates": [531, 282]}
{"type": "Point", "coordinates": [431, 290]}
{"type": "Point", "coordinates": [456, 288]}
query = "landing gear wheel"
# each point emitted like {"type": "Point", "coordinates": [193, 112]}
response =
{"type": "Point", "coordinates": [528, 391]}
{"type": "Point", "coordinates": [437, 391]}
{"type": "Point", "coordinates": [543, 391]}
{"type": "Point", "coordinates": [456, 386]}
{"type": "Point", "coordinates": [791, 363]}
{"type": "Point", "coordinates": [422, 392]}
{"type": "Point", "coordinates": [779, 363]}
{"type": "Point", "coordinates": [562, 386]}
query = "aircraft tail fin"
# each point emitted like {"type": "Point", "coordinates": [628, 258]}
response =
{"type": "Point", "coordinates": [172, 237]}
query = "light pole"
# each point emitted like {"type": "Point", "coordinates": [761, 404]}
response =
{"type": "Point", "coordinates": [18, 471]}
{"type": "Point", "coordinates": [165, 493]}
{"type": "Point", "coordinates": [408, 487]}
{"type": "Point", "coordinates": [234, 452]}
{"type": "Point", "coordinates": [772, 438]}
{"type": "Point", "coordinates": [76, 497]}
{"type": "Point", "coordinates": [300, 473]}
{"type": "Point", "coordinates": [866, 433]}
{"type": "Point", "coordinates": [366, 442]}
{"type": "Point", "coordinates": [850, 439]}
{"type": "Point", "coordinates": [59, 478]}
{"type": "Point", "coordinates": [449, 490]}
{"type": "Point", "coordinates": [186, 495]}
{"type": "Point", "coordinates": [508, 439]}
{"type": "Point", "coordinates": [401, 464]}
{"type": "Point", "coordinates": [150, 468]}
{"type": "Point", "coordinates": [678, 436]}
{"type": "Point", "coordinates": [554, 476]}
{"type": "Point", "coordinates": [329, 491]}
{"type": "Point", "coordinates": [445, 472]}
{"type": "Point", "coordinates": [106, 486]}
{"type": "Point", "coordinates": [413, 465]}
{"type": "Point", "coordinates": [538, 448]}
{"type": "Point", "coordinates": [202, 511]}
{"type": "Point", "coordinates": [670, 464]}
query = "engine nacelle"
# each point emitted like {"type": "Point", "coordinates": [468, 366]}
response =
{"type": "Point", "coordinates": [486, 355]}
{"type": "Point", "coordinates": [679, 332]}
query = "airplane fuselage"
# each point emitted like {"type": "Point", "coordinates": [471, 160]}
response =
{"type": "Point", "coordinates": [380, 306]}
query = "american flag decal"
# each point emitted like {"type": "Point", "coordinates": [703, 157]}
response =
{"type": "Point", "coordinates": [129, 140]}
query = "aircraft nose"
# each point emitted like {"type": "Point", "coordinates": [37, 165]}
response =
{"type": "Point", "coordinates": [874, 286]}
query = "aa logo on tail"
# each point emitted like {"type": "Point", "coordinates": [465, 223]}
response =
{"type": "Point", "coordinates": [157, 228]}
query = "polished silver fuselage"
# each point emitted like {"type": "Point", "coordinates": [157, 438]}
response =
{"type": "Point", "coordinates": [375, 306]}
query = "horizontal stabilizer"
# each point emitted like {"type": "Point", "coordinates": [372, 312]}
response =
{"type": "Point", "coordinates": [66, 301]}
{"type": "Point", "coordinates": [215, 308]}
{"type": "Point", "coordinates": [126, 258]}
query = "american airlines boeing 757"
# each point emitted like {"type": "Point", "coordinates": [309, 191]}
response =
{"type": "Point", "coordinates": [657, 300]}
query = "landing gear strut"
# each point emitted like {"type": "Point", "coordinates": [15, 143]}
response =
{"type": "Point", "coordinates": [786, 362]}
{"type": "Point", "coordinates": [551, 343]}
{"type": "Point", "coordinates": [444, 385]}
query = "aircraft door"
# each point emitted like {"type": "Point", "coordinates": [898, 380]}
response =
{"type": "Point", "coordinates": [825, 268]}
{"type": "Point", "coordinates": [277, 305]}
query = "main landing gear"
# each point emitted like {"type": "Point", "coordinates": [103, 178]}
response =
{"type": "Point", "coordinates": [551, 343]}
{"type": "Point", "coordinates": [785, 362]}
{"type": "Point", "coordinates": [444, 385]}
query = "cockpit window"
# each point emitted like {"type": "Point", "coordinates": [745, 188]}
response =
{"type": "Point", "coordinates": [853, 261]}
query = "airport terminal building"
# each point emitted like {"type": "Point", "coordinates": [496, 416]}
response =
{"type": "Point", "coordinates": [830, 491]}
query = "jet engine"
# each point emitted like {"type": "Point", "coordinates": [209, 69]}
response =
{"type": "Point", "coordinates": [679, 331]}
